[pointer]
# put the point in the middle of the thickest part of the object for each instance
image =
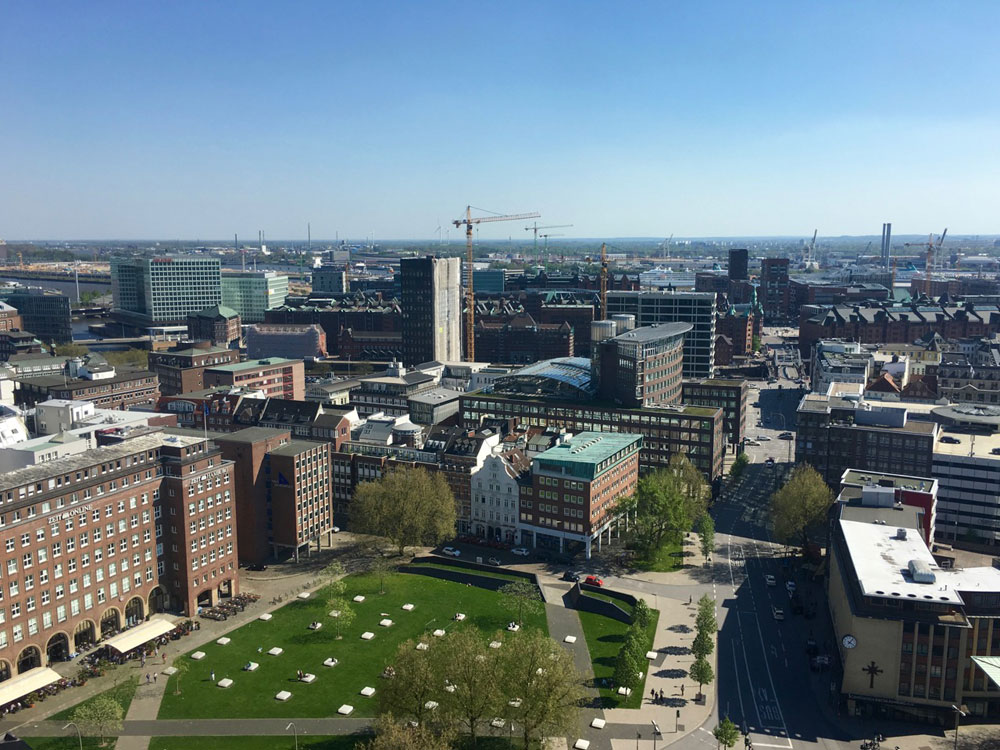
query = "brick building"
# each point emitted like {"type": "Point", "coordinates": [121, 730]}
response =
{"type": "Point", "coordinates": [521, 340]}
{"type": "Point", "coordinates": [10, 319]}
{"type": "Point", "coordinates": [728, 395]}
{"type": "Point", "coordinates": [219, 325]}
{"type": "Point", "coordinates": [298, 342]}
{"type": "Point", "coordinates": [112, 389]}
{"type": "Point", "coordinates": [182, 370]}
{"type": "Point", "coordinates": [275, 376]}
{"type": "Point", "coordinates": [774, 288]}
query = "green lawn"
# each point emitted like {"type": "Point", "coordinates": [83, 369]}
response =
{"type": "Point", "coordinates": [360, 662]}
{"type": "Point", "coordinates": [306, 742]}
{"type": "Point", "coordinates": [69, 742]}
{"type": "Point", "coordinates": [604, 638]}
{"type": "Point", "coordinates": [124, 692]}
{"type": "Point", "coordinates": [617, 602]}
{"type": "Point", "coordinates": [662, 560]}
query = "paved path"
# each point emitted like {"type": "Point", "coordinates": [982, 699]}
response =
{"type": "Point", "coordinates": [145, 729]}
{"type": "Point", "coordinates": [145, 706]}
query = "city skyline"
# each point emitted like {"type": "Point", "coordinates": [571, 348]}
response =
{"type": "Point", "coordinates": [193, 122]}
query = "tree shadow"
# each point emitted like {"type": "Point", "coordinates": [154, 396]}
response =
{"type": "Point", "coordinates": [675, 650]}
{"type": "Point", "coordinates": [672, 674]}
{"type": "Point", "coordinates": [680, 628]}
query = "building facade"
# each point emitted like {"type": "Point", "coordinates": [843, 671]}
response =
{"type": "Point", "coordinates": [183, 370]}
{"type": "Point", "coordinates": [299, 342]}
{"type": "Point", "coordinates": [641, 367]}
{"type": "Point", "coordinates": [774, 290]}
{"type": "Point", "coordinates": [44, 313]}
{"type": "Point", "coordinates": [329, 280]}
{"type": "Point", "coordinates": [275, 376]}
{"type": "Point", "coordinates": [164, 290]}
{"type": "Point", "coordinates": [252, 293]}
{"type": "Point", "coordinates": [521, 340]}
{"type": "Point", "coordinates": [728, 395]}
{"type": "Point", "coordinates": [218, 325]}
{"type": "Point", "coordinates": [431, 301]}
{"type": "Point", "coordinates": [495, 497]}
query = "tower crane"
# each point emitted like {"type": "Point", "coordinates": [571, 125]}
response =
{"type": "Point", "coordinates": [929, 263]}
{"type": "Point", "coordinates": [534, 228]}
{"type": "Point", "coordinates": [470, 296]}
{"type": "Point", "coordinates": [546, 238]}
{"type": "Point", "coordinates": [812, 245]}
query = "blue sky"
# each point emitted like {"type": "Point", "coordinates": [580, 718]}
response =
{"type": "Point", "coordinates": [198, 120]}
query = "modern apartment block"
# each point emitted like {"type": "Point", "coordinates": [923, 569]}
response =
{"type": "Point", "coordinates": [165, 289]}
{"type": "Point", "coordinates": [575, 488]}
{"type": "Point", "coordinates": [43, 312]}
{"type": "Point", "coordinates": [774, 292]}
{"type": "Point", "coordinates": [252, 293]}
{"type": "Point", "coordinates": [728, 395]}
{"type": "Point", "coordinates": [97, 541]}
{"type": "Point", "coordinates": [275, 376]}
{"type": "Point", "coordinates": [183, 370]}
{"type": "Point", "coordinates": [329, 280]}
{"type": "Point", "coordinates": [641, 367]}
{"type": "Point", "coordinates": [431, 301]}
{"type": "Point", "coordinates": [696, 308]}
{"type": "Point", "coordinates": [298, 496]}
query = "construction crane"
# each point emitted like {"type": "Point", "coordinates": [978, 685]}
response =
{"type": "Point", "coordinates": [604, 280]}
{"type": "Point", "coordinates": [665, 247]}
{"type": "Point", "coordinates": [929, 263]}
{"type": "Point", "coordinates": [470, 295]}
{"type": "Point", "coordinates": [546, 238]}
{"type": "Point", "coordinates": [812, 246]}
{"type": "Point", "coordinates": [534, 228]}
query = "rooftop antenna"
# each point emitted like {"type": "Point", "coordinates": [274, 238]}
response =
{"type": "Point", "coordinates": [236, 246]}
{"type": "Point", "coordinates": [309, 236]}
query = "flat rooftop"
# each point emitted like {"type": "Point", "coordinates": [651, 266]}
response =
{"type": "Point", "coordinates": [972, 446]}
{"type": "Point", "coordinates": [252, 435]}
{"type": "Point", "coordinates": [654, 332]}
{"type": "Point", "coordinates": [437, 396]}
{"type": "Point", "coordinates": [295, 447]}
{"type": "Point", "coordinates": [898, 481]}
{"type": "Point", "coordinates": [254, 364]}
{"type": "Point", "coordinates": [589, 447]}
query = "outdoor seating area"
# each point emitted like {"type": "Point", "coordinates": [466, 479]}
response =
{"type": "Point", "coordinates": [251, 666]}
{"type": "Point", "coordinates": [315, 625]}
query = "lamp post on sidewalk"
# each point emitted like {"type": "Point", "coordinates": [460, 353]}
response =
{"type": "Point", "coordinates": [656, 732]}
{"type": "Point", "coordinates": [78, 735]}
{"type": "Point", "coordinates": [295, 733]}
{"type": "Point", "coordinates": [959, 713]}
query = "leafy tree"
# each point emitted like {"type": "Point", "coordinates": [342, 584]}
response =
{"type": "Point", "coordinates": [666, 502]}
{"type": "Point", "coordinates": [407, 507]}
{"type": "Point", "coordinates": [641, 614]}
{"type": "Point", "coordinates": [800, 505]}
{"type": "Point", "coordinates": [138, 358]}
{"type": "Point", "coordinates": [391, 735]}
{"type": "Point", "coordinates": [755, 343]}
{"type": "Point", "coordinates": [521, 598]}
{"type": "Point", "coordinates": [332, 578]}
{"type": "Point", "coordinates": [381, 566]}
{"type": "Point", "coordinates": [70, 350]}
{"type": "Point", "coordinates": [627, 669]}
{"type": "Point", "coordinates": [703, 645]}
{"type": "Point", "coordinates": [701, 672]}
{"type": "Point", "coordinates": [539, 677]}
{"type": "Point", "coordinates": [726, 733]}
{"type": "Point", "coordinates": [739, 465]}
{"type": "Point", "coordinates": [635, 642]}
{"type": "Point", "coordinates": [473, 668]}
{"type": "Point", "coordinates": [693, 486]}
{"type": "Point", "coordinates": [418, 677]}
{"type": "Point", "coordinates": [347, 614]}
{"type": "Point", "coordinates": [705, 619]}
{"type": "Point", "coordinates": [101, 715]}
{"type": "Point", "coordinates": [182, 666]}
{"type": "Point", "coordinates": [706, 535]}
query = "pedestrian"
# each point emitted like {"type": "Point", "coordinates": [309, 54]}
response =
{"type": "Point", "coordinates": [212, 676]}
{"type": "Point", "coordinates": [682, 688]}
{"type": "Point", "coordinates": [652, 695]}
{"type": "Point", "coordinates": [661, 696]}
{"type": "Point", "coordinates": [164, 657]}
{"type": "Point", "coordinates": [154, 677]}
{"type": "Point", "coordinates": [147, 678]}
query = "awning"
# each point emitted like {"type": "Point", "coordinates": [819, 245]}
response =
{"type": "Point", "coordinates": [990, 665]}
{"type": "Point", "coordinates": [140, 634]}
{"type": "Point", "coordinates": [25, 683]}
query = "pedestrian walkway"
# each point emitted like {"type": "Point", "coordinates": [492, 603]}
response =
{"type": "Point", "coordinates": [146, 729]}
{"type": "Point", "coordinates": [145, 706]}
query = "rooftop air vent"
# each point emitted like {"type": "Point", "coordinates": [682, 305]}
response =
{"type": "Point", "coordinates": [901, 533]}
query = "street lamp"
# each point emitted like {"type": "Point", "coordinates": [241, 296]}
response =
{"type": "Point", "coordinates": [959, 713]}
{"type": "Point", "coordinates": [78, 735]}
{"type": "Point", "coordinates": [295, 733]}
{"type": "Point", "coordinates": [656, 732]}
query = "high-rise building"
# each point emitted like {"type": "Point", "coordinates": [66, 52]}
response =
{"type": "Point", "coordinates": [44, 313]}
{"type": "Point", "coordinates": [163, 290]}
{"type": "Point", "coordinates": [329, 279]}
{"type": "Point", "coordinates": [738, 262]}
{"type": "Point", "coordinates": [696, 308]}
{"type": "Point", "coordinates": [253, 293]}
{"type": "Point", "coordinates": [641, 367]}
{"type": "Point", "coordinates": [774, 288]}
{"type": "Point", "coordinates": [431, 301]}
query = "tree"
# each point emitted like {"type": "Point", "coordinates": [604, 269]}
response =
{"type": "Point", "coordinates": [521, 598]}
{"type": "Point", "coordinates": [138, 358]}
{"type": "Point", "coordinates": [346, 616]}
{"type": "Point", "coordinates": [726, 733]}
{"type": "Point", "coordinates": [627, 669]}
{"type": "Point", "coordinates": [407, 507]}
{"type": "Point", "coordinates": [417, 677]}
{"type": "Point", "coordinates": [101, 715]}
{"type": "Point", "coordinates": [473, 669]}
{"type": "Point", "coordinates": [182, 667]}
{"type": "Point", "coordinates": [706, 535]}
{"type": "Point", "coordinates": [391, 735]}
{"type": "Point", "coordinates": [800, 505]}
{"type": "Point", "coordinates": [739, 465]}
{"type": "Point", "coordinates": [71, 350]}
{"type": "Point", "coordinates": [635, 642]}
{"type": "Point", "coordinates": [541, 680]}
{"type": "Point", "coordinates": [381, 566]}
{"type": "Point", "coordinates": [701, 672]}
{"type": "Point", "coordinates": [666, 502]}
{"type": "Point", "coordinates": [641, 614]}
{"type": "Point", "coordinates": [332, 576]}
{"type": "Point", "coordinates": [705, 619]}
{"type": "Point", "coordinates": [703, 645]}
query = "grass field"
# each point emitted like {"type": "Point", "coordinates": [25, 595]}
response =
{"type": "Point", "coordinates": [360, 662]}
{"type": "Point", "coordinates": [663, 560]}
{"type": "Point", "coordinates": [604, 638]}
{"type": "Point", "coordinates": [625, 606]}
{"type": "Point", "coordinates": [124, 692]}
{"type": "Point", "coordinates": [69, 742]}
{"type": "Point", "coordinates": [306, 742]}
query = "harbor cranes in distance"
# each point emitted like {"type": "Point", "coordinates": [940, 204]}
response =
{"type": "Point", "coordinates": [932, 251]}
{"type": "Point", "coordinates": [470, 296]}
{"type": "Point", "coordinates": [534, 228]}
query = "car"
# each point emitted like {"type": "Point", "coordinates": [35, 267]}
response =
{"type": "Point", "coordinates": [786, 436]}
{"type": "Point", "coordinates": [756, 404]}
{"type": "Point", "coordinates": [257, 566]}
{"type": "Point", "coordinates": [593, 581]}
{"type": "Point", "coordinates": [769, 580]}
{"type": "Point", "coordinates": [778, 613]}
{"type": "Point", "coordinates": [452, 552]}
{"type": "Point", "coordinates": [769, 461]}
{"type": "Point", "coordinates": [569, 575]}
{"type": "Point", "coordinates": [495, 562]}
{"type": "Point", "coordinates": [748, 441]}
{"type": "Point", "coordinates": [335, 529]}
{"type": "Point", "coordinates": [520, 551]}
{"type": "Point", "coordinates": [763, 438]}
{"type": "Point", "coordinates": [950, 440]}
{"type": "Point", "coordinates": [790, 587]}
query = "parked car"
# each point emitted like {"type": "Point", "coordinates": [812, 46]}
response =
{"type": "Point", "coordinates": [786, 436]}
{"type": "Point", "coordinates": [335, 529]}
{"type": "Point", "coordinates": [494, 562]}
{"type": "Point", "coordinates": [594, 581]}
{"type": "Point", "coordinates": [790, 587]}
{"type": "Point", "coordinates": [769, 579]}
{"type": "Point", "coordinates": [452, 552]}
{"type": "Point", "coordinates": [763, 438]}
{"type": "Point", "coordinates": [778, 613]}
{"type": "Point", "coordinates": [569, 575]}
{"type": "Point", "coordinates": [257, 566]}
{"type": "Point", "coordinates": [748, 441]}
{"type": "Point", "coordinates": [520, 551]}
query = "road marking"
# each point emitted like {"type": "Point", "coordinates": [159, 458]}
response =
{"type": "Point", "coordinates": [746, 662]}
{"type": "Point", "coordinates": [739, 693]}
{"type": "Point", "coordinates": [770, 679]}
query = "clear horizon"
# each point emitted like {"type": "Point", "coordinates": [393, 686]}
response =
{"type": "Point", "coordinates": [722, 119]}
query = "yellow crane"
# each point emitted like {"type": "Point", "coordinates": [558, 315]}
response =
{"type": "Point", "coordinates": [470, 295]}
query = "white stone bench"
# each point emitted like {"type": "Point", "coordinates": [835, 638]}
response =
{"type": "Point", "coordinates": [304, 595]}
{"type": "Point", "coordinates": [624, 691]}
{"type": "Point", "coordinates": [284, 695]}
{"type": "Point", "coordinates": [598, 723]}
{"type": "Point", "coordinates": [276, 651]}
{"type": "Point", "coordinates": [513, 627]}
{"type": "Point", "coordinates": [495, 644]}
{"type": "Point", "coordinates": [449, 688]}
{"type": "Point", "coordinates": [346, 710]}
{"type": "Point", "coordinates": [198, 655]}
{"type": "Point", "coordinates": [368, 692]}
{"type": "Point", "coordinates": [498, 723]}
{"type": "Point", "coordinates": [422, 646]}
{"type": "Point", "coordinates": [367, 635]}
{"type": "Point", "coordinates": [169, 671]}
{"type": "Point", "coordinates": [431, 705]}
{"type": "Point", "coordinates": [581, 745]}
{"type": "Point", "coordinates": [569, 639]}
{"type": "Point", "coordinates": [334, 613]}
{"type": "Point", "coordinates": [407, 607]}
{"type": "Point", "coordinates": [459, 616]}
{"type": "Point", "coordinates": [331, 662]}
{"type": "Point", "coordinates": [307, 678]}
{"type": "Point", "coordinates": [652, 655]}
{"type": "Point", "coordinates": [359, 598]}
{"type": "Point", "coordinates": [438, 633]}
{"type": "Point", "coordinates": [385, 623]}
{"type": "Point", "coordinates": [266, 616]}
{"type": "Point", "coordinates": [223, 641]}
{"type": "Point", "coordinates": [315, 625]}
{"type": "Point", "coordinates": [225, 682]}
{"type": "Point", "coordinates": [251, 667]}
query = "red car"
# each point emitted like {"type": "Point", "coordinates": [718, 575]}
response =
{"type": "Point", "coordinates": [593, 581]}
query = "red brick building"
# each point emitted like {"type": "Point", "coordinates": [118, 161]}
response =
{"type": "Point", "coordinates": [182, 370]}
{"type": "Point", "coordinates": [520, 340]}
{"type": "Point", "coordinates": [219, 325]}
{"type": "Point", "coordinates": [275, 376]}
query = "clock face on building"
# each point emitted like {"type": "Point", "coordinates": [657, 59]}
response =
{"type": "Point", "coordinates": [849, 641]}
